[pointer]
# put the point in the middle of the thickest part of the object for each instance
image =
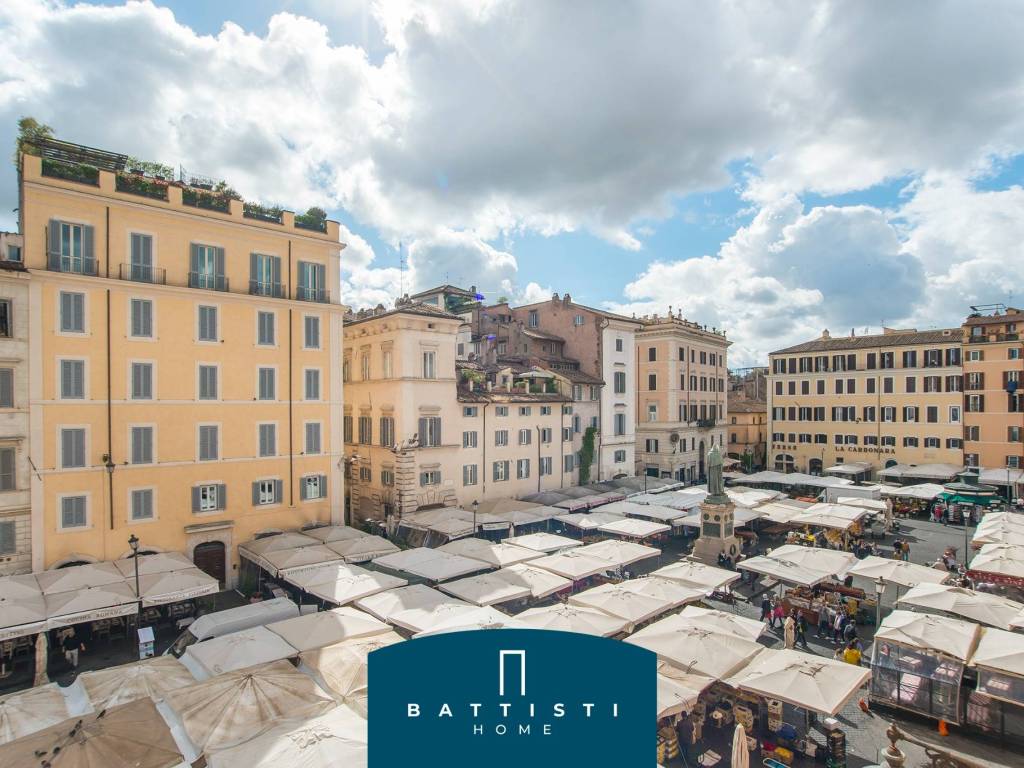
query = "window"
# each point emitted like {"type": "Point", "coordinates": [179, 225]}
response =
{"type": "Point", "coordinates": [385, 360]}
{"type": "Point", "coordinates": [266, 492]}
{"type": "Point", "coordinates": [313, 487]}
{"type": "Point", "coordinates": [207, 268]}
{"type": "Point", "coordinates": [501, 437]}
{"type": "Point", "coordinates": [910, 442]}
{"type": "Point", "coordinates": [142, 445]}
{"type": "Point", "coordinates": [501, 410]}
{"type": "Point", "coordinates": [365, 427]}
{"type": "Point", "coordinates": [311, 332]}
{"type": "Point", "coordinates": [312, 282]}
{"type": "Point", "coordinates": [469, 474]}
{"type": "Point", "coordinates": [620, 383]}
{"type": "Point", "coordinates": [566, 434]}
{"type": "Point", "coordinates": [524, 410]}
{"type": "Point", "coordinates": [346, 368]}
{"type": "Point", "coordinates": [266, 389]}
{"type": "Point", "coordinates": [973, 433]}
{"type": "Point", "coordinates": [888, 413]}
{"type": "Point", "coordinates": [932, 414]}
{"type": "Point", "coordinates": [544, 466]}
{"type": "Point", "coordinates": [620, 423]}
{"type": "Point", "coordinates": [313, 438]}
{"type": "Point", "coordinates": [652, 381]}
{"type": "Point", "coordinates": [346, 428]}
{"type": "Point", "coordinates": [778, 387]}
{"type": "Point", "coordinates": [954, 414]}
{"type": "Point", "coordinates": [871, 440]}
{"type": "Point", "coordinates": [264, 275]}
{"type": "Point", "coordinates": [207, 324]}
{"type": "Point", "coordinates": [142, 318]}
{"type": "Point", "coordinates": [500, 471]}
{"type": "Point", "coordinates": [73, 512]}
{"type": "Point", "coordinates": [311, 384]}
{"type": "Point", "coordinates": [1013, 462]}
{"type": "Point", "coordinates": [72, 312]}
{"type": "Point", "coordinates": [72, 379]}
{"type": "Point", "coordinates": [954, 383]}
{"type": "Point", "coordinates": [522, 469]}
{"type": "Point", "coordinates": [469, 411]}
{"type": "Point", "coordinates": [5, 318]}
{"type": "Point", "coordinates": [430, 431]}
{"type": "Point", "coordinates": [1013, 434]}
{"type": "Point", "coordinates": [545, 435]}
{"type": "Point", "coordinates": [142, 504]}
{"type": "Point", "coordinates": [887, 384]}
{"type": "Point", "coordinates": [931, 442]}
{"type": "Point", "coordinates": [569, 463]}
{"type": "Point", "coordinates": [954, 442]}
{"type": "Point", "coordinates": [142, 381]}
{"type": "Point", "coordinates": [651, 445]}
{"type": "Point", "coordinates": [207, 382]}
{"type": "Point", "coordinates": [525, 436]}
{"type": "Point", "coordinates": [387, 431]}
{"type": "Point", "coordinates": [533, 320]}
{"type": "Point", "coordinates": [545, 410]}
{"type": "Point", "coordinates": [265, 335]}
{"type": "Point", "coordinates": [1013, 353]}
{"type": "Point", "coordinates": [578, 320]}
{"type": "Point", "coordinates": [910, 413]}
{"type": "Point", "coordinates": [975, 403]}
{"type": "Point", "coordinates": [469, 439]}
{"type": "Point", "coordinates": [14, 253]}
{"type": "Point", "coordinates": [619, 457]}
{"type": "Point", "coordinates": [268, 440]}
{"type": "Point", "coordinates": [975, 355]}
{"type": "Point", "coordinates": [387, 478]}
{"type": "Point", "coordinates": [870, 385]}
{"type": "Point", "coordinates": [72, 448]}
{"type": "Point", "coordinates": [209, 442]}
{"type": "Point", "coordinates": [428, 365]}
{"type": "Point", "coordinates": [70, 248]}
{"type": "Point", "coordinates": [618, 345]}
{"type": "Point", "coordinates": [7, 479]}
{"type": "Point", "coordinates": [364, 366]}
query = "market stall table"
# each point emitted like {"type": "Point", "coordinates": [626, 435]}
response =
{"type": "Point", "coordinates": [980, 607]}
{"type": "Point", "coordinates": [574, 618]}
{"type": "Point", "coordinates": [316, 630]}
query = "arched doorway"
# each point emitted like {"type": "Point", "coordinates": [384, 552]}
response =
{"type": "Point", "coordinates": [700, 462]}
{"type": "Point", "coordinates": [209, 558]}
{"type": "Point", "coordinates": [784, 463]}
{"type": "Point", "coordinates": [814, 467]}
{"type": "Point", "coordinates": [891, 463]}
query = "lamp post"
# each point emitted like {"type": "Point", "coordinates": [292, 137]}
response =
{"type": "Point", "coordinates": [108, 464]}
{"type": "Point", "coordinates": [476, 506]}
{"type": "Point", "coordinates": [133, 542]}
{"type": "Point", "coordinates": [879, 591]}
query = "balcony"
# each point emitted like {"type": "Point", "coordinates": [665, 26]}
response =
{"type": "Point", "coordinates": [79, 266]}
{"type": "Point", "coordinates": [305, 293]}
{"type": "Point", "coordinates": [77, 172]}
{"type": "Point", "coordinates": [991, 338]}
{"type": "Point", "coordinates": [142, 273]}
{"type": "Point", "coordinates": [209, 201]}
{"type": "Point", "coordinates": [262, 288]}
{"type": "Point", "coordinates": [207, 281]}
{"type": "Point", "coordinates": [144, 186]}
{"type": "Point", "coordinates": [705, 423]}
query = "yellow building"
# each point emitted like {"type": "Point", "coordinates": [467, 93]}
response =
{"type": "Point", "coordinates": [748, 425]}
{"type": "Point", "coordinates": [885, 399]}
{"type": "Point", "coordinates": [183, 374]}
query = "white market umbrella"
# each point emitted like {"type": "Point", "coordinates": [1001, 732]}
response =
{"type": "Point", "coordinates": [831, 561]}
{"type": "Point", "coordinates": [904, 574]}
{"type": "Point", "coordinates": [1018, 621]}
{"type": "Point", "coordinates": [317, 630]}
{"type": "Point", "coordinates": [634, 528]}
{"type": "Point", "coordinates": [160, 562]}
{"type": "Point", "coordinates": [476, 618]}
{"type": "Point", "coordinates": [237, 650]}
{"type": "Point", "coordinates": [363, 549]}
{"type": "Point", "coordinates": [284, 561]}
{"type": "Point", "coordinates": [430, 564]}
{"type": "Point", "coordinates": [541, 583]}
{"type": "Point", "coordinates": [544, 542]}
{"type": "Point", "coordinates": [678, 691]}
{"type": "Point", "coordinates": [619, 553]}
{"type": "Point", "coordinates": [90, 604]}
{"type": "Point", "coordinates": [486, 589]}
{"type": "Point", "coordinates": [722, 621]}
{"type": "Point", "coordinates": [572, 564]}
{"type": "Point", "coordinates": [927, 632]}
{"type": "Point", "coordinates": [175, 586]}
{"type": "Point", "coordinates": [574, 618]}
{"type": "Point", "coordinates": [342, 667]}
{"type": "Point", "coordinates": [422, 618]}
{"type": "Point", "coordinates": [672, 593]}
{"type": "Point", "coordinates": [329, 533]}
{"type": "Point", "coordinates": [697, 575]}
{"type": "Point", "coordinates": [618, 600]}
{"type": "Point", "coordinates": [384, 604]}
{"type": "Point", "coordinates": [740, 755]}
{"type": "Point", "coordinates": [31, 710]}
{"type": "Point", "coordinates": [22, 607]}
{"type": "Point", "coordinates": [77, 577]}
{"type": "Point", "coordinates": [496, 555]}
{"type": "Point", "coordinates": [1000, 651]}
{"type": "Point", "coordinates": [981, 607]}
{"type": "Point", "coordinates": [694, 649]}
{"type": "Point", "coordinates": [811, 682]}
{"type": "Point", "coordinates": [147, 679]}
{"type": "Point", "coordinates": [337, 739]}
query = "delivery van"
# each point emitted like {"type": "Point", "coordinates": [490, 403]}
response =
{"type": "Point", "coordinates": [222, 623]}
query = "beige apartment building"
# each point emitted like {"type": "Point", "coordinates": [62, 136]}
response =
{"type": "Point", "coordinates": [423, 429]}
{"type": "Point", "coordinates": [182, 365]}
{"type": "Point", "coordinates": [748, 431]}
{"type": "Point", "coordinates": [15, 501]}
{"type": "Point", "coordinates": [885, 399]}
{"type": "Point", "coordinates": [681, 391]}
{"type": "Point", "coordinates": [993, 405]}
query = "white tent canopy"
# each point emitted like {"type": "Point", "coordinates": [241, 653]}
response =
{"type": "Point", "coordinates": [1001, 559]}
{"type": "Point", "coordinates": [430, 564]}
{"type": "Point", "coordinates": [618, 600]}
{"type": "Point", "coordinates": [31, 710]}
{"type": "Point", "coordinates": [1000, 651]}
{"type": "Point", "coordinates": [486, 589]}
{"type": "Point", "coordinates": [289, 540]}
{"type": "Point", "coordinates": [924, 631]}
{"type": "Point", "coordinates": [891, 571]}
{"type": "Point", "coordinates": [90, 604]}
{"type": "Point", "coordinates": [695, 649]}
{"type": "Point", "coordinates": [22, 607]}
{"type": "Point", "coordinates": [389, 602]}
{"type": "Point", "coordinates": [540, 582]}
{"type": "Point", "coordinates": [633, 528]}
{"type": "Point", "coordinates": [574, 618]}
{"type": "Point", "coordinates": [363, 549]}
{"type": "Point", "coordinates": [588, 521]}
{"type": "Point", "coordinates": [150, 678]}
{"type": "Point", "coordinates": [831, 561]}
{"type": "Point", "coordinates": [161, 562]}
{"type": "Point", "coordinates": [681, 502]}
{"type": "Point", "coordinates": [722, 621]}
{"type": "Point", "coordinates": [77, 577]}
{"type": "Point", "coordinates": [284, 561]}
{"type": "Point", "coordinates": [175, 586]}
{"type": "Point", "coordinates": [1018, 621]}
{"type": "Point", "coordinates": [922, 491]}
{"type": "Point", "coordinates": [544, 542]}
{"type": "Point", "coordinates": [806, 681]}
{"type": "Point", "coordinates": [347, 589]}
{"type": "Point", "coordinates": [872, 505]}
{"type": "Point", "coordinates": [619, 554]}
{"type": "Point", "coordinates": [672, 592]}
{"type": "Point", "coordinates": [237, 650]}
{"type": "Point", "coordinates": [423, 618]}
{"type": "Point", "coordinates": [325, 574]}
{"type": "Point", "coordinates": [779, 513]}
{"type": "Point", "coordinates": [981, 607]}
{"type": "Point", "coordinates": [677, 690]}
{"type": "Point", "coordinates": [697, 575]}
{"type": "Point", "coordinates": [940, 472]}
{"type": "Point", "coordinates": [836, 516]}
{"type": "Point", "coordinates": [476, 618]}
{"type": "Point", "coordinates": [328, 533]}
{"type": "Point", "coordinates": [572, 564]}
{"type": "Point", "coordinates": [495, 555]}
{"type": "Point", "coordinates": [316, 630]}
{"type": "Point", "coordinates": [337, 739]}
{"type": "Point", "coordinates": [652, 510]}
{"type": "Point", "coordinates": [342, 667]}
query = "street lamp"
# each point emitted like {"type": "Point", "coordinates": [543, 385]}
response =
{"type": "Point", "coordinates": [108, 464]}
{"type": "Point", "coordinates": [475, 505]}
{"type": "Point", "coordinates": [879, 591]}
{"type": "Point", "coordinates": [133, 542]}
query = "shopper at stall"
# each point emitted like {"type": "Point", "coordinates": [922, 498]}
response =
{"type": "Point", "coordinates": [852, 654]}
{"type": "Point", "coordinates": [766, 608]}
{"type": "Point", "coordinates": [905, 552]}
{"type": "Point", "coordinates": [849, 631]}
{"type": "Point", "coordinates": [778, 613]}
{"type": "Point", "coordinates": [684, 733]}
{"type": "Point", "coordinates": [838, 625]}
{"type": "Point", "coordinates": [789, 631]}
{"type": "Point", "coordinates": [825, 618]}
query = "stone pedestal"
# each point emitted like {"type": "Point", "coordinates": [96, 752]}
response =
{"type": "Point", "coordinates": [717, 533]}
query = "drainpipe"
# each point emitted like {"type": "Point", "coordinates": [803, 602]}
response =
{"type": "Point", "coordinates": [483, 457]}
{"type": "Point", "coordinates": [110, 409]}
{"type": "Point", "coordinates": [291, 451]}
{"type": "Point", "coordinates": [538, 460]}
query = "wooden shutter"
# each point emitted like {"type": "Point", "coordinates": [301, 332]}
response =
{"type": "Point", "coordinates": [195, 498]}
{"type": "Point", "coordinates": [193, 274]}
{"type": "Point", "coordinates": [323, 486]}
{"type": "Point", "coordinates": [423, 432]}
{"type": "Point", "coordinates": [254, 275]}
{"type": "Point", "coordinates": [278, 491]}
{"type": "Point", "coordinates": [146, 311]}
{"type": "Point", "coordinates": [53, 245]}
{"type": "Point", "coordinates": [302, 490]}
{"type": "Point", "coordinates": [256, 493]}
{"type": "Point", "coordinates": [275, 267]}
{"type": "Point", "coordinates": [222, 496]}
{"type": "Point", "coordinates": [220, 283]}
{"type": "Point", "coordinates": [8, 531]}
{"type": "Point", "coordinates": [88, 259]}
{"type": "Point", "coordinates": [6, 387]}
{"type": "Point", "coordinates": [7, 469]}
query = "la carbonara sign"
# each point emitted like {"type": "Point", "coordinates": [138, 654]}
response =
{"type": "Point", "coordinates": [511, 698]}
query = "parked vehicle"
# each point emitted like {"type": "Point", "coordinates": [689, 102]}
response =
{"type": "Point", "coordinates": [233, 620]}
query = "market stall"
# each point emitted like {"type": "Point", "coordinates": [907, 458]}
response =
{"type": "Point", "coordinates": [487, 589]}
{"type": "Point", "coordinates": [431, 565]}
{"type": "Point", "coordinates": [998, 564]}
{"type": "Point", "coordinates": [237, 650]}
{"type": "Point", "coordinates": [22, 608]}
{"type": "Point", "coordinates": [169, 587]}
{"type": "Point", "coordinates": [573, 565]}
{"type": "Point", "coordinates": [421, 618]}
{"type": "Point", "coordinates": [151, 678]}
{"type": "Point", "coordinates": [698, 575]}
{"type": "Point", "coordinates": [722, 621]}
{"type": "Point", "coordinates": [634, 529]}
{"type": "Point", "coordinates": [621, 554]}
{"type": "Point", "coordinates": [631, 604]}
{"type": "Point", "coordinates": [476, 618]}
{"type": "Point", "coordinates": [494, 555]}
{"type": "Point", "coordinates": [325, 534]}
{"type": "Point", "coordinates": [997, 706]}
{"type": "Point", "coordinates": [918, 661]}
{"type": "Point", "coordinates": [541, 583]}
{"type": "Point", "coordinates": [899, 572]}
{"type": "Point", "coordinates": [32, 710]}
{"type": "Point", "coordinates": [980, 607]}
{"type": "Point", "coordinates": [363, 549]}
{"type": "Point", "coordinates": [695, 649]}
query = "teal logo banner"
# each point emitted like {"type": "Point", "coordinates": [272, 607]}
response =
{"type": "Point", "coordinates": [512, 697]}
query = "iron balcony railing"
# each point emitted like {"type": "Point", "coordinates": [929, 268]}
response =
{"type": "Point", "coordinates": [305, 293]}
{"type": "Point", "coordinates": [207, 281]}
{"type": "Point", "coordinates": [705, 423]}
{"type": "Point", "coordinates": [263, 288]}
{"type": "Point", "coordinates": [79, 266]}
{"type": "Point", "coordinates": [142, 273]}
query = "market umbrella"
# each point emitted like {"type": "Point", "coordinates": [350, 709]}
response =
{"type": "Point", "coordinates": [891, 571]}
{"type": "Point", "coordinates": [175, 586]}
{"type": "Point", "coordinates": [317, 630]}
{"type": "Point", "coordinates": [722, 621]}
{"type": "Point", "coordinates": [26, 712]}
{"type": "Point", "coordinates": [987, 609]}
{"type": "Point", "coordinates": [385, 604]}
{"type": "Point", "coordinates": [619, 600]}
{"type": "Point", "coordinates": [1000, 559]}
{"type": "Point", "coordinates": [147, 679]}
{"type": "Point", "coordinates": [343, 667]}
{"type": "Point", "coordinates": [697, 575]}
{"type": "Point", "coordinates": [235, 650]}
{"type": "Point", "coordinates": [22, 609]}
{"type": "Point", "coordinates": [694, 649]}
{"type": "Point", "coordinates": [77, 577]}
{"type": "Point", "coordinates": [573, 618]}
{"type": "Point", "coordinates": [678, 691]}
{"type": "Point", "coordinates": [486, 589]}
{"type": "Point", "coordinates": [475, 618]}
{"type": "Point", "coordinates": [41, 677]}
{"type": "Point", "coordinates": [923, 631]}
{"type": "Point", "coordinates": [132, 735]}
{"type": "Point", "coordinates": [160, 562]}
{"type": "Point", "coordinates": [541, 583]}
{"type": "Point", "coordinates": [803, 680]}
{"type": "Point", "coordinates": [740, 755]}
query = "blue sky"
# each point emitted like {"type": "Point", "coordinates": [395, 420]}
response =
{"type": "Point", "coordinates": [720, 159]}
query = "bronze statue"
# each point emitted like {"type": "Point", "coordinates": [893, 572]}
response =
{"type": "Point", "coordinates": [716, 485]}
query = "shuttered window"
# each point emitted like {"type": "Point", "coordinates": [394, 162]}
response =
{"type": "Point", "coordinates": [265, 328]}
{"type": "Point", "coordinates": [312, 384]}
{"type": "Point", "coordinates": [207, 268]}
{"type": "Point", "coordinates": [430, 431]}
{"type": "Point", "coordinates": [6, 324]}
{"type": "Point", "coordinates": [501, 470]}
{"type": "Point", "coordinates": [72, 312]}
{"type": "Point", "coordinates": [8, 537]}
{"type": "Point", "coordinates": [207, 330]}
{"type": "Point", "coordinates": [346, 426]}
{"type": "Point", "coordinates": [209, 448]}
{"type": "Point", "coordinates": [267, 388]}
{"type": "Point", "coordinates": [70, 248]}
{"type": "Point", "coordinates": [207, 382]}
{"type": "Point", "coordinates": [313, 487]}
{"type": "Point", "coordinates": [73, 512]}
{"type": "Point", "coordinates": [313, 437]}
{"type": "Point", "coordinates": [266, 492]}
{"type": "Point", "coordinates": [387, 431]}
{"type": "Point", "coordinates": [72, 448]}
{"type": "Point", "coordinates": [142, 504]}
{"type": "Point", "coordinates": [469, 474]}
{"type": "Point", "coordinates": [523, 469]}
{"type": "Point", "coordinates": [311, 332]}
{"type": "Point", "coordinates": [264, 275]}
{"type": "Point", "coordinates": [210, 497]}
{"type": "Point", "coordinates": [268, 439]}
{"type": "Point", "coordinates": [142, 318]}
{"type": "Point", "coordinates": [6, 387]}
{"type": "Point", "coordinates": [142, 445]}
{"type": "Point", "coordinates": [142, 381]}
{"type": "Point", "coordinates": [7, 480]}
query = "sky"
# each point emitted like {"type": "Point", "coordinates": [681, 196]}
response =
{"type": "Point", "coordinates": [773, 169]}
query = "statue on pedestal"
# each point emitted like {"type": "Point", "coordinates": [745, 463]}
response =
{"type": "Point", "coordinates": [716, 485]}
{"type": "Point", "coordinates": [717, 529]}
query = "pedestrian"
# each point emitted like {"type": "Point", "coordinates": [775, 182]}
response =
{"type": "Point", "coordinates": [72, 645]}
{"type": "Point", "coordinates": [824, 621]}
{"type": "Point", "coordinates": [766, 607]}
{"type": "Point", "coordinates": [905, 552]}
{"type": "Point", "coordinates": [684, 734]}
{"type": "Point", "coordinates": [850, 631]}
{"type": "Point", "coordinates": [789, 630]}
{"type": "Point", "coordinates": [778, 613]}
{"type": "Point", "coordinates": [838, 624]}
{"type": "Point", "coordinates": [852, 654]}
{"type": "Point", "coordinates": [801, 630]}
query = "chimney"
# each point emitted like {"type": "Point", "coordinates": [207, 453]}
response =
{"type": "Point", "coordinates": [566, 300]}
{"type": "Point", "coordinates": [554, 298]}
{"type": "Point", "coordinates": [826, 335]}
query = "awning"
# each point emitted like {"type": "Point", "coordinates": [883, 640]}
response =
{"type": "Point", "coordinates": [363, 549]}
{"type": "Point", "coordinates": [474, 619]}
{"type": "Point", "coordinates": [421, 618]}
{"type": "Point", "coordinates": [328, 533]}
{"type": "Point", "coordinates": [618, 553]}
{"type": "Point", "coordinates": [486, 589]}
{"type": "Point", "coordinates": [26, 712]}
{"type": "Point", "coordinates": [722, 621]}
{"type": "Point", "coordinates": [873, 505]}
{"type": "Point", "coordinates": [90, 604]}
{"type": "Point", "coordinates": [237, 650]}
{"type": "Point", "coordinates": [1000, 559]}
{"type": "Point", "coordinates": [805, 681]}
{"type": "Point", "coordinates": [633, 528]}
{"type": "Point", "coordinates": [541, 583]}
{"type": "Point", "coordinates": [286, 561]}
{"type": "Point", "coordinates": [851, 468]}
{"type": "Point", "coordinates": [940, 472]}
{"type": "Point", "coordinates": [495, 555]}
{"type": "Point", "coordinates": [384, 604]}
{"type": "Point", "coordinates": [697, 575]}
{"type": "Point", "coordinates": [347, 589]}
{"type": "Point", "coordinates": [927, 632]}
{"type": "Point", "coordinates": [678, 691]}
{"type": "Point", "coordinates": [77, 577]}
{"type": "Point", "coordinates": [572, 564]}
{"type": "Point", "coordinates": [589, 521]}
{"type": "Point", "coordinates": [1000, 651]}
{"type": "Point", "coordinates": [430, 564]}
{"type": "Point", "coordinates": [922, 491]}
{"type": "Point", "coordinates": [161, 562]}
{"type": "Point", "coordinates": [544, 542]}
{"type": "Point", "coordinates": [836, 516]}
{"type": "Point", "coordinates": [147, 679]}
{"type": "Point", "coordinates": [175, 586]}
{"type": "Point", "coordinates": [694, 649]}
{"type": "Point", "coordinates": [784, 571]}
{"type": "Point", "coordinates": [890, 571]}
{"type": "Point", "coordinates": [631, 605]}
{"type": "Point", "coordinates": [22, 607]}
{"type": "Point", "coordinates": [981, 607]}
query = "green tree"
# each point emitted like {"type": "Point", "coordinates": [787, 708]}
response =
{"type": "Point", "coordinates": [587, 454]}
{"type": "Point", "coordinates": [30, 130]}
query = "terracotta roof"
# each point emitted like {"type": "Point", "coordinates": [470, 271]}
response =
{"type": "Point", "coordinates": [414, 308]}
{"type": "Point", "coordinates": [453, 289]}
{"type": "Point", "coordinates": [502, 396]}
{"type": "Point", "coordinates": [578, 377]}
{"type": "Point", "coordinates": [897, 339]}
{"type": "Point", "coordinates": [585, 308]}
{"type": "Point", "coordinates": [747, 406]}
{"type": "Point", "coordinates": [534, 333]}
{"type": "Point", "coordinates": [1010, 315]}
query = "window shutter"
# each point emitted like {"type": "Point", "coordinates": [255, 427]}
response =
{"type": "Point", "coordinates": [65, 312]}
{"type": "Point", "coordinates": [278, 491]}
{"type": "Point", "coordinates": [78, 311]}
{"type": "Point", "coordinates": [147, 250]}
{"type": "Point", "coordinates": [302, 490]}
{"type": "Point", "coordinates": [423, 432]}
{"type": "Point", "coordinates": [219, 261]}
{"type": "Point", "coordinates": [7, 537]}
{"type": "Point", "coordinates": [193, 274]}
{"type": "Point", "coordinates": [7, 469]}
{"type": "Point", "coordinates": [6, 388]}
{"type": "Point", "coordinates": [222, 496]}
{"type": "Point", "coordinates": [323, 486]}
{"type": "Point", "coordinates": [256, 493]}
{"type": "Point", "coordinates": [53, 244]}
{"type": "Point", "coordinates": [275, 266]}
{"type": "Point", "coordinates": [195, 498]}
{"type": "Point", "coordinates": [254, 274]}
{"type": "Point", "coordinates": [147, 318]}
{"type": "Point", "coordinates": [89, 263]}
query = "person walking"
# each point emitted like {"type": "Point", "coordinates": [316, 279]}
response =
{"type": "Point", "coordinates": [778, 613]}
{"type": "Point", "coordinates": [72, 645]}
{"type": "Point", "coordinates": [766, 607]}
{"type": "Point", "coordinates": [905, 552]}
{"type": "Point", "coordinates": [824, 621]}
{"type": "Point", "coordinates": [852, 654]}
{"type": "Point", "coordinates": [850, 631]}
{"type": "Point", "coordinates": [838, 624]}
{"type": "Point", "coordinates": [684, 734]}
{"type": "Point", "coordinates": [789, 631]}
{"type": "Point", "coordinates": [801, 630]}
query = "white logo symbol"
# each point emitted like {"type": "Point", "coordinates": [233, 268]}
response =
{"type": "Point", "coordinates": [522, 671]}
